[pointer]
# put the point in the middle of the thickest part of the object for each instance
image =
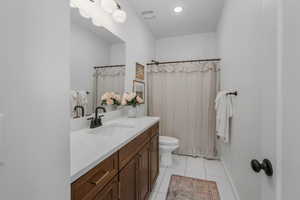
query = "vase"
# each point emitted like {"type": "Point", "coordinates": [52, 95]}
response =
{"type": "Point", "coordinates": [132, 112]}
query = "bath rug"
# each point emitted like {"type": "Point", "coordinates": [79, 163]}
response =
{"type": "Point", "coordinates": [186, 188]}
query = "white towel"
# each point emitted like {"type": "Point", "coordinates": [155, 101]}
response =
{"type": "Point", "coordinates": [224, 109]}
{"type": "Point", "coordinates": [73, 101]}
{"type": "Point", "coordinates": [83, 99]}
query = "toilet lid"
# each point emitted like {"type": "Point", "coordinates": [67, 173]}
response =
{"type": "Point", "coordinates": [164, 140]}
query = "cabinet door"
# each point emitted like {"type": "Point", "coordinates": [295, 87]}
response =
{"type": "Point", "coordinates": [128, 181]}
{"type": "Point", "coordinates": [154, 160]}
{"type": "Point", "coordinates": [110, 191]}
{"type": "Point", "coordinates": [144, 172]}
{"type": "Point", "coordinates": [90, 184]}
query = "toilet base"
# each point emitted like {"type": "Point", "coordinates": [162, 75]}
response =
{"type": "Point", "coordinates": [167, 145]}
{"type": "Point", "coordinates": [166, 156]}
{"type": "Point", "coordinates": [166, 159]}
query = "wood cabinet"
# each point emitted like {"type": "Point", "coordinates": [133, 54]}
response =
{"type": "Point", "coordinates": [154, 160]}
{"type": "Point", "coordinates": [131, 149]}
{"type": "Point", "coordinates": [144, 172]}
{"type": "Point", "coordinates": [87, 186]}
{"type": "Point", "coordinates": [129, 174]}
{"type": "Point", "coordinates": [110, 191]}
{"type": "Point", "coordinates": [128, 181]}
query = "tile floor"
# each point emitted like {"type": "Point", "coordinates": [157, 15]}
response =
{"type": "Point", "coordinates": [197, 168]}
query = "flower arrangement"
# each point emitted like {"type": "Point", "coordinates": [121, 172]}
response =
{"type": "Point", "coordinates": [110, 98]}
{"type": "Point", "coordinates": [131, 99]}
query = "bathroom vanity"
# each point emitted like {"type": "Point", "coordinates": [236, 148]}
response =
{"type": "Point", "coordinates": [117, 161]}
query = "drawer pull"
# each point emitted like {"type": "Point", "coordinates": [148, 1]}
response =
{"type": "Point", "coordinates": [98, 180]}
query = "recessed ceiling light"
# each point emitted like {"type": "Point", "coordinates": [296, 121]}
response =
{"type": "Point", "coordinates": [178, 9]}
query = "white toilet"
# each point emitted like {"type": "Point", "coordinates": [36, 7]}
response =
{"type": "Point", "coordinates": [166, 146]}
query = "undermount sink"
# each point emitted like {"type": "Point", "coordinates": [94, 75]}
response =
{"type": "Point", "coordinates": [111, 129]}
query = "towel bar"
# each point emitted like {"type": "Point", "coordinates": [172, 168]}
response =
{"type": "Point", "coordinates": [232, 93]}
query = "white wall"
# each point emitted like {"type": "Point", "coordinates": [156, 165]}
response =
{"type": "Point", "coordinates": [118, 54]}
{"type": "Point", "coordinates": [196, 46]}
{"type": "Point", "coordinates": [34, 85]}
{"type": "Point", "coordinates": [291, 98]}
{"type": "Point", "coordinates": [248, 49]}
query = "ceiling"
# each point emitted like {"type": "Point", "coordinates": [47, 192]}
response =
{"type": "Point", "coordinates": [100, 31]}
{"type": "Point", "coordinates": [198, 16]}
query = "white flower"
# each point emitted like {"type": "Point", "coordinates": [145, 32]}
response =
{"type": "Point", "coordinates": [105, 96]}
{"type": "Point", "coordinates": [117, 98]}
{"type": "Point", "coordinates": [139, 100]}
{"type": "Point", "coordinates": [109, 102]}
{"type": "Point", "coordinates": [131, 96]}
{"type": "Point", "coordinates": [111, 95]}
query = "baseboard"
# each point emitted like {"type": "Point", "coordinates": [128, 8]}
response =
{"type": "Point", "coordinates": [235, 192]}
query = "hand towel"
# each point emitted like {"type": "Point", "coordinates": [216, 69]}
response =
{"type": "Point", "coordinates": [83, 99]}
{"type": "Point", "coordinates": [73, 101]}
{"type": "Point", "coordinates": [224, 111]}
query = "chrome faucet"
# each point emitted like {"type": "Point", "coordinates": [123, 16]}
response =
{"type": "Point", "coordinates": [97, 120]}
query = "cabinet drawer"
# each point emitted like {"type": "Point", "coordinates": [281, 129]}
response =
{"type": "Point", "coordinates": [133, 147]}
{"type": "Point", "coordinates": [86, 187]}
{"type": "Point", "coordinates": [110, 191]}
{"type": "Point", "coordinates": [155, 130]}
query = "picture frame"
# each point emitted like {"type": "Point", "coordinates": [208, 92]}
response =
{"type": "Point", "coordinates": [139, 88]}
{"type": "Point", "coordinates": [140, 72]}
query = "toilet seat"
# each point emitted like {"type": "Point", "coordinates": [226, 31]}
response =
{"type": "Point", "coordinates": [167, 141]}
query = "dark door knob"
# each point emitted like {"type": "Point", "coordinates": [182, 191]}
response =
{"type": "Point", "coordinates": [266, 165]}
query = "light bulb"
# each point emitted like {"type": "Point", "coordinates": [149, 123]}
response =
{"type": "Point", "coordinates": [109, 6]}
{"type": "Point", "coordinates": [86, 8]}
{"type": "Point", "coordinates": [178, 9]}
{"type": "Point", "coordinates": [120, 16]}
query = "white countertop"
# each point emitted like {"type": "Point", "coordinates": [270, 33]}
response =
{"type": "Point", "coordinates": [89, 149]}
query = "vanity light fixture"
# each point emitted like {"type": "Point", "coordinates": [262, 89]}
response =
{"type": "Point", "coordinates": [112, 7]}
{"type": "Point", "coordinates": [85, 7]}
{"type": "Point", "coordinates": [109, 6]}
{"type": "Point", "coordinates": [178, 9]}
{"type": "Point", "coordinates": [119, 15]}
{"type": "Point", "coordinates": [90, 9]}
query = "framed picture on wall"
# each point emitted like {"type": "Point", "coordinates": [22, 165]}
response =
{"type": "Point", "coordinates": [139, 88]}
{"type": "Point", "coordinates": [140, 72]}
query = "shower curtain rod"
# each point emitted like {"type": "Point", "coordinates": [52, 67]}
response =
{"type": "Point", "coordinates": [183, 61]}
{"type": "Point", "coordinates": [108, 66]}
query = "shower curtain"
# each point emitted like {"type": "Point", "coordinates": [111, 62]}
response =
{"type": "Point", "coordinates": [109, 79]}
{"type": "Point", "coordinates": [182, 95]}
